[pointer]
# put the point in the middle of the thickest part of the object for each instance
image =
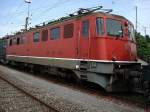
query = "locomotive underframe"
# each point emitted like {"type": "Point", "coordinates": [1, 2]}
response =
{"type": "Point", "coordinates": [146, 71]}
{"type": "Point", "coordinates": [112, 76]}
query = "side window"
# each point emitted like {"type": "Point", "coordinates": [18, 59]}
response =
{"type": "Point", "coordinates": [85, 28]}
{"type": "Point", "coordinates": [131, 32]}
{"type": "Point", "coordinates": [68, 30]}
{"type": "Point", "coordinates": [18, 41]}
{"type": "Point", "coordinates": [55, 33]}
{"type": "Point", "coordinates": [36, 37]}
{"type": "Point", "coordinates": [44, 35]}
{"type": "Point", "coordinates": [10, 42]}
{"type": "Point", "coordinates": [14, 41]}
{"type": "Point", "coordinates": [99, 26]}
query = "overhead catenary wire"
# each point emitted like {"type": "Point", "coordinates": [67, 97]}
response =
{"type": "Point", "coordinates": [10, 10]}
{"type": "Point", "coordinates": [143, 28]}
{"type": "Point", "coordinates": [56, 4]}
{"type": "Point", "coordinates": [35, 12]}
{"type": "Point", "coordinates": [38, 11]}
{"type": "Point", "coordinates": [14, 14]}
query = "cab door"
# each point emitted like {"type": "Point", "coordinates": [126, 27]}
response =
{"type": "Point", "coordinates": [84, 34]}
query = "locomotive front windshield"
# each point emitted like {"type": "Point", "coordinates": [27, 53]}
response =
{"type": "Point", "coordinates": [114, 28]}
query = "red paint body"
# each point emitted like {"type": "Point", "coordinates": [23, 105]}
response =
{"type": "Point", "coordinates": [94, 48]}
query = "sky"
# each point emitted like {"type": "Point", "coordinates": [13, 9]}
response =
{"type": "Point", "coordinates": [13, 12]}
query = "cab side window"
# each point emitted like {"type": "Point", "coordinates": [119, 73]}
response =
{"type": "Point", "coordinates": [85, 28]}
{"type": "Point", "coordinates": [14, 41]}
{"type": "Point", "coordinates": [36, 37]}
{"type": "Point", "coordinates": [131, 32]}
{"type": "Point", "coordinates": [99, 26]}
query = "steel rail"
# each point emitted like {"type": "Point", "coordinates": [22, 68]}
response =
{"type": "Point", "coordinates": [29, 94]}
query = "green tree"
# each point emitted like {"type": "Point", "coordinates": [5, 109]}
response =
{"type": "Point", "coordinates": [143, 45]}
{"type": "Point", "coordinates": [147, 38]}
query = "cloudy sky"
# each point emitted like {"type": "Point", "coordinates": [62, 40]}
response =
{"type": "Point", "coordinates": [13, 12]}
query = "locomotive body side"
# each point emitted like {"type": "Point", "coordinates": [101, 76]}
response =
{"type": "Point", "coordinates": [98, 47]}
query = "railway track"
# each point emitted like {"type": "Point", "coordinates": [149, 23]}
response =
{"type": "Point", "coordinates": [91, 88]}
{"type": "Point", "coordinates": [89, 93]}
{"type": "Point", "coordinates": [14, 98]}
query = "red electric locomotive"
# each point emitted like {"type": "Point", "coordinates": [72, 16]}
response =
{"type": "Point", "coordinates": [98, 47]}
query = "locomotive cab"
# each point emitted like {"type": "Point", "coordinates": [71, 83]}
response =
{"type": "Point", "coordinates": [114, 39]}
{"type": "Point", "coordinates": [111, 58]}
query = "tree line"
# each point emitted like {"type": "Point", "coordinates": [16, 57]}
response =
{"type": "Point", "coordinates": [143, 46]}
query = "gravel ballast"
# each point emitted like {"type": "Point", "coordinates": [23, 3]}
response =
{"type": "Point", "coordinates": [14, 100]}
{"type": "Point", "coordinates": [62, 98]}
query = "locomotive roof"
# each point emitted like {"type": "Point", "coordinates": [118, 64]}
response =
{"type": "Point", "coordinates": [63, 19]}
